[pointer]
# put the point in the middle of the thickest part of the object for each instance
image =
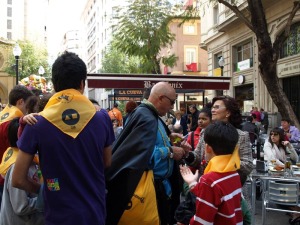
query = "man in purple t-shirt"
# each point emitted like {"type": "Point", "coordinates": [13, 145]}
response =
{"type": "Point", "coordinates": [73, 141]}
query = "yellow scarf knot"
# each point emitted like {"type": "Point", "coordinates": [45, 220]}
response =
{"type": "Point", "coordinates": [224, 163]}
{"type": "Point", "coordinates": [69, 111]}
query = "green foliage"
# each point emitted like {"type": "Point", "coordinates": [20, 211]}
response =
{"type": "Point", "coordinates": [114, 61]}
{"type": "Point", "coordinates": [31, 59]}
{"type": "Point", "coordinates": [170, 60]}
{"type": "Point", "coordinates": [143, 30]}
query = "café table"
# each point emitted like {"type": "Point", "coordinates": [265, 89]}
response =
{"type": "Point", "coordinates": [265, 178]}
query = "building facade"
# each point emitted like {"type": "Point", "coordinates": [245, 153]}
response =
{"type": "Point", "coordinates": [192, 60]}
{"type": "Point", "coordinates": [19, 20]}
{"type": "Point", "coordinates": [223, 35]}
{"type": "Point", "coordinates": [97, 20]}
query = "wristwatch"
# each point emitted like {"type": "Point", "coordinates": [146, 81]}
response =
{"type": "Point", "coordinates": [171, 154]}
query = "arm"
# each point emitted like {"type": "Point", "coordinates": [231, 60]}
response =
{"type": "Point", "coordinates": [290, 148]}
{"type": "Point", "coordinates": [27, 119]}
{"type": "Point", "coordinates": [19, 177]}
{"type": "Point", "coordinates": [295, 135]}
{"type": "Point", "coordinates": [107, 156]}
{"type": "Point", "coordinates": [22, 203]}
{"type": "Point", "coordinates": [245, 153]}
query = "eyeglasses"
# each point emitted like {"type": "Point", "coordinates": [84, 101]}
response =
{"type": "Point", "coordinates": [216, 107]}
{"type": "Point", "coordinates": [274, 134]}
{"type": "Point", "coordinates": [171, 101]}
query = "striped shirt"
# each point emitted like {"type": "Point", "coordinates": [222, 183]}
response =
{"type": "Point", "coordinates": [218, 199]}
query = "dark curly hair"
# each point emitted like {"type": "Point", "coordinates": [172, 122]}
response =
{"type": "Point", "coordinates": [130, 106]}
{"type": "Point", "coordinates": [232, 106]}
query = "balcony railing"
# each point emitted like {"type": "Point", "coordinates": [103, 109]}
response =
{"type": "Point", "coordinates": [191, 67]}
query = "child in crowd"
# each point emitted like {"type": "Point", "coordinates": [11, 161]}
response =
{"type": "Point", "coordinates": [117, 129]}
{"type": "Point", "coordinates": [18, 207]}
{"type": "Point", "coordinates": [219, 189]}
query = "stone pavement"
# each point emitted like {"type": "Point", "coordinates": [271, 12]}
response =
{"type": "Point", "coordinates": [273, 217]}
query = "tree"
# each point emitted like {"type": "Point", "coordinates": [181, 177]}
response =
{"type": "Point", "coordinates": [268, 52]}
{"type": "Point", "coordinates": [143, 30]}
{"type": "Point", "coordinates": [31, 59]}
{"type": "Point", "coordinates": [115, 61]}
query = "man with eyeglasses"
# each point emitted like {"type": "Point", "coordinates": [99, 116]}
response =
{"type": "Point", "coordinates": [145, 145]}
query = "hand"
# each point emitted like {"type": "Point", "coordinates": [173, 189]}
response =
{"type": "Point", "coordinates": [178, 152]}
{"type": "Point", "coordinates": [176, 138]}
{"type": "Point", "coordinates": [186, 147]}
{"type": "Point", "coordinates": [285, 143]}
{"type": "Point", "coordinates": [288, 135]}
{"type": "Point", "coordinates": [187, 174]}
{"type": "Point", "coordinates": [30, 119]}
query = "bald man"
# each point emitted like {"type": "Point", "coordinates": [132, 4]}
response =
{"type": "Point", "coordinates": [144, 145]}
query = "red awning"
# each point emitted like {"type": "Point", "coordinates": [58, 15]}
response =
{"type": "Point", "coordinates": [148, 80]}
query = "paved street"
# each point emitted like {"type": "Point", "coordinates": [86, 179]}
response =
{"type": "Point", "coordinates": [273, 218]}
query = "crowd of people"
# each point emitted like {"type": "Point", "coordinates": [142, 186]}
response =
{"type": "Point", "coordinates": [66, 160]}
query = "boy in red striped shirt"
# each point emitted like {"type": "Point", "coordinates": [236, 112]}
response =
{"type": "Point", "coordinates": [218, 192]}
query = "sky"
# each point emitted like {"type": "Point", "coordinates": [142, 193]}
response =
{"type": "Point", "coordinates": [63, 15]}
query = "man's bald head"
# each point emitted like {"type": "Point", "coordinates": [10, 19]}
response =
{"type": "Point", "coordinates": [162, 88]}
{"type": "Point", "coordinates": [162, 97]}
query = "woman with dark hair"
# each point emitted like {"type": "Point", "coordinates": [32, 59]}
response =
{"type": "Point", "coordinates": [130, 106]}
{"type": "Point", "coordinates": [226, 108]}
{"type": "Point", "coordinates": [278, 149]}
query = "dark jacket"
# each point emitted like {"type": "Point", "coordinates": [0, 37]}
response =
{"type": "Point", "coordinates": [130, 157]}
{"type": "Point", "coordinates": [252, 129]}
{"type": "Point", "coordinates": [194, 122]}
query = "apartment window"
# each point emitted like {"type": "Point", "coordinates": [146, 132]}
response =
{"type": "Point", "coordinates": [190, 55]}
{"type": "Point", "coordinates": [9, 35]}
{"type": "Point", "coordinates": [9, 12]}
{"type": "Point", "coordinates": [292, 45]}
{"type": "Point", "coordinates": [191, 58]}
{"type": "Point", "coordinates": [243, 56]}
{"type": "Point", "coordinates": [216, 14]}
{"type": "Point", "coordinates": [190, 29]}
{"type": "Point", "coordinates": [9, 2]}
{"type": "Point", "coordinates": [9, 24]}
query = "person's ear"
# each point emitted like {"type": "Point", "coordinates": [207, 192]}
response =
{"type": "Point", "coordinates": [208, 149]}
{"type": "Point", "coordinates": [82, 86]}
{"type": "Point", "coordinates": [227, 114]}
{"type": "Point", "coordinates": [20, 102]}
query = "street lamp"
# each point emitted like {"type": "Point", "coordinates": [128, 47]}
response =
{"type": "Point", "coordinates": [221, 64]}
{"type": "Point", "coordinates": [17, 51]}
{"type": "Point", "coordinates": [41, 71]}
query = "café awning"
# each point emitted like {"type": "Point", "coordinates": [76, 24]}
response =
{"type": "Point", "coordinates": [178, 82]}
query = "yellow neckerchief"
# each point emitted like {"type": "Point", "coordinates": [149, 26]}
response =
{"type": "Point", "coordinates": [9, 158]}
{"type": "Point", "coordinates": [224, 163]}
{"type": "Point", "coordinates": [10, 112]}
{"type": "Point", "coordinates": [69, 111]}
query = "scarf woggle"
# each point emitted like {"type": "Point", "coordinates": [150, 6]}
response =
{"type": "Point", "coordinates": [69, 111]}
{"type": "Point", "coordinates": [9, 113]}
{"type": "Point", "coordinates": [224, 163]}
